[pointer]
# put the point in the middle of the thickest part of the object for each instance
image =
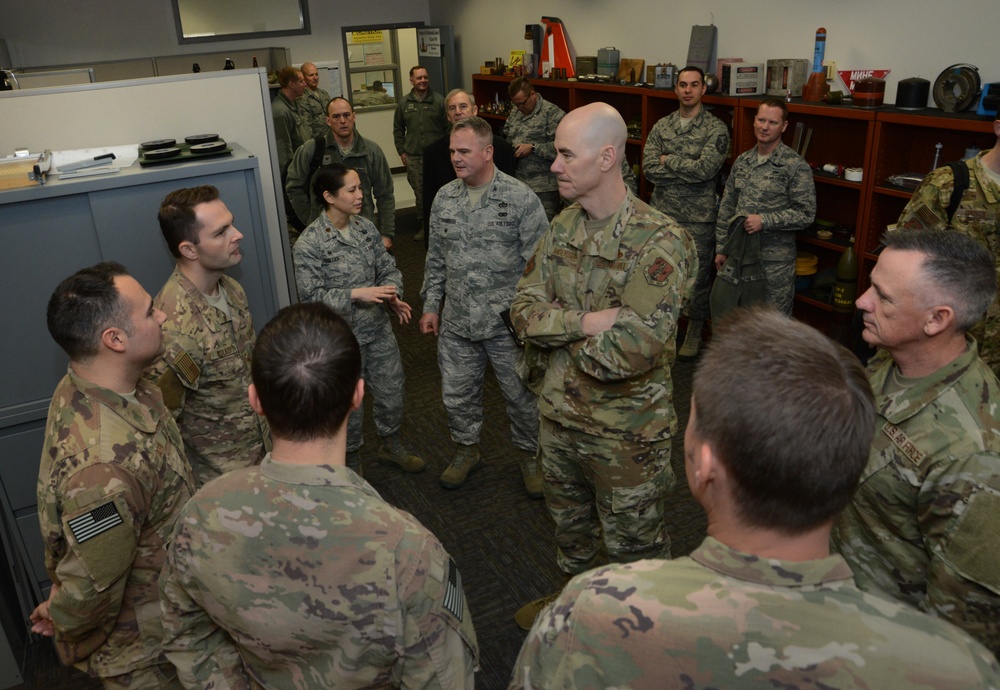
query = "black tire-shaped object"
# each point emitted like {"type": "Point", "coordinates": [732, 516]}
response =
{"type": "Point", "coordinates": [965, 78]}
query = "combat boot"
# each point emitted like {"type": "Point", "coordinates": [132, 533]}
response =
{"type": "Point", "coordinates": [354, 462]}
{"type": "Point", "coordinates": [531, 473]}
{"type": "Point", "coordinates": [393, 452]}
{"type": "Point", "coordinates": [465, 462]}
{"type": "Point", "coordinates": [692, 341]}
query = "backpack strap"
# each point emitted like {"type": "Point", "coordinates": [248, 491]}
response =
{"type": "Point", "coordinates": [961, 172]}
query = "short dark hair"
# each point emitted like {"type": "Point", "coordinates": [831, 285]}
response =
{"type": "Point", "coordinates": [775, 103]}
{"type": "Point", "coordinates": [83, 306]}
{"type": "Point", "coordinates": [416, 67]}
{"type": "Point", "coordinates": [520, 85]}
{"type": "Point", "coordinates": [963, 271]}
{"type": "Point", "coordinates": [287, 75]}
{"type": "Point", "coordinates": [178, 221]}
{"type": "Point", "coordinates": [305, 367]}
{"type": "Point", "coordinates": [790, 415]}
{"type": "Point", "coordinates": [329, 178]}
{"type": "Point", "coordinates": [338, 98]}
{"type": "Point", "coordinates": [480, 127]}
{"type": "Point", "coordinates": [692, 68]}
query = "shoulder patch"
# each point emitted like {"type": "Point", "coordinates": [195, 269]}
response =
{"type": "Point", "coordinates": [90, 524]}
{"type": "Point", "coordinates": [659, 271]}
{"type": "Point", "coordinates": [530, 266]}
{"type": "Point", "coordinates": [454, 600]}
{"type": "Point", "coordinates": [186, 368]}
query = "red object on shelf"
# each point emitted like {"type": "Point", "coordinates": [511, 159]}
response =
{"type": "Point", "coordinates": [555, 48]}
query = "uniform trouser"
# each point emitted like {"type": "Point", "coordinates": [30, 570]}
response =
{"type": "Point", "coordinates": [610, 490]}
{"type": "Point", "coordinates": [415, 176]}
{"type": "Point", "coordinates": [463, 365]}
{"type": "Point", "coordinates": [703, 234]}
{"type": "Point", "coordinates": [551, 202]}
{"type": "Point", "coordinates": [157, 677]}
{"type": "Point", "coordinates": [780, 284]}
{"type": "Point", "coordinates": [382, 371]}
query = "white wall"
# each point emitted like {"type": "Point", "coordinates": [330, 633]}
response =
{"type": "Point", "coordinates": [913, 38]}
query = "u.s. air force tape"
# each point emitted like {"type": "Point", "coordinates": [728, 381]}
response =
{"type": "Point", "coordinates": [453, 600]}
{"type": "Point", "coordinates": [97, 521]}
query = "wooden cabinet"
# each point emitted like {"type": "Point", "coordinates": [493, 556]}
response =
{"type": "Point", "coordinates": [882, 142]}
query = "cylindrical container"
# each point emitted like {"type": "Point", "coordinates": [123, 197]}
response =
{"type": "Point", "coordinates": [805, 269]}
{"type": "Point", "coordinates": [869, 92]}
{"type": "Point", "coordinates": [845, 290]}
{"type": "Point", "coordinates": [912, 93]}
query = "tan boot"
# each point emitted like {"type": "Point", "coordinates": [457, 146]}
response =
{"type": "Point", "coordinates": [692, 341]}
{"type": "Point", "coordinates": [393, 452]}
{"type": "Point", "coordinates": [354, 462]}
{"type": "Point", "coordinates": [465, 462]}
{"type": "Point", "coordinates": [527, 614]}
{"type": "Point", "coordinates": [531, 473]}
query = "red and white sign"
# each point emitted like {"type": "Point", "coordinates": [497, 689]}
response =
{"type": "Point", "coordinates": [851, 76]}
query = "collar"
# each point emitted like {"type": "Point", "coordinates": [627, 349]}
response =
{"type": "Point", "coordinates": [332, 234]}
{"type": "Point", "coordinates": [991, 190]}
{"type": "Point", "coordinates": [139, 416]}
{"type": "Point", "coordinates": [770, 572]}
{"type": "Point", "coordinates": [313, 475]}
{"type": "Point", "coordinates": [605, 244]}
{"type": "Point", "coordinates": [213, 317]}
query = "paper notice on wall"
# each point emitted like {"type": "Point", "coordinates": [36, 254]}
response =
{"type": "Point", "coordinates": [429, 42]}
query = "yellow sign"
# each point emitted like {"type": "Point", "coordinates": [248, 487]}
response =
{"type": "Point", "coordinates": [366, 37]}
{"type": "Point", "coordinates": [516, 58]}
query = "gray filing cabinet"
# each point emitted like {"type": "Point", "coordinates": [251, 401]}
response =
{"type": "Point", "coordinates": [48, 233]}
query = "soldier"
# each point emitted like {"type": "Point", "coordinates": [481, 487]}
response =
{"type": "Point", "coordinates": [531, 130]}
{"type": "Point", "coordinates": [762, 602]}
{"type": "Point", "coordinates": [773, 187]}
{"type": "Point", "coordinates": [597, 308]}
{"type": "Point", "coordinates": [205, 369]}
{"type": "Point", "coordinates": [682, 157]}
{"type": "Point", "coordinates": [346, 146]}
{"type": "Point", "coordinates": [290, 128]}
{"type": "Point", "coordinates": [921, 527]}
{"type": "Point", "coordinates": [977, 216]}
{"type": "Point", "coordinates": [313, 101]}
{"type": "Point", "coordinates": [340, 261]}
{"type": "Point", "coordinates": [111, 484]}
{"type": "Point", "coordinates": [484, 228]}
{"type": "Point", "coordinates": [438, 170]}
{"type": "Point", "coordinates": [296, 574]}
{"type": "Point", "coordinates": [420, 119]}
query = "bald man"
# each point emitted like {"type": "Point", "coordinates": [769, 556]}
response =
{"type": "Point", "coordinates": [312, 103]}
{"type": "Point", "coordinates": [597, 308]}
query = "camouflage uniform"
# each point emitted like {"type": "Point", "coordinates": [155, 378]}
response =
{"type": "Point", "coordinates": [606, 400]}
{"type": "Point", "coordinates": [538, 128]}
{"type": "Point", "coordinates": [312, 105]}
{"type": "Point", "coordinates": [976, 217]}
{"type": "Point", "coordinates": [922, 525]}
{"type": "Point", "coordinates": [376, 180]}
{"type": "Point", "coordinates": [111, 485]}
{"type": "Point", "coordinates": [780, 190]}
{"type": "Point", "coordinates": [475, 258]}
{"type": "Point", "coordinates": [204, 373]}
{"type": "Point", "coordinates": [685, 186]}
{"type": "Point", "coordinates": [415, 126]}
{"type": "Point", "coordinates": [290, 129]}
{"type": "Point", "coordinates": [296, 576]}
{"type": "Point", "coordinates": [726, 619]}
{"type": "Point", "coordinates": [328, 264]}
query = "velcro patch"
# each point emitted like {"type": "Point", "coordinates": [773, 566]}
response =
{"type": "Point", "coordinates": [659, 271]}
{"type": "Point", "coordinates": [904, 444]}
{"type": "Point", "coordinates": [454, 601]}
{"type": "Point", "coordinates": [185, 367]}
{"type": "Point", "coordinates": [97, 521]}
{"type": "Point", "coordinates": [530, 267]}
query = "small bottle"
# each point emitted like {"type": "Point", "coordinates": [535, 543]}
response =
{"type": "Point", "coordinates": [845, 290]}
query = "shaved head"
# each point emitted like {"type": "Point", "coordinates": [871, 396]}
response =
{"type": "Point", "coordinates": [599, 125]}
{"type": "Point", "coordinates": [590, 148]}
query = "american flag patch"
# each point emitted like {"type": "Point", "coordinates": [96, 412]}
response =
{"type": "Point", "coordinates": [97, 521]}
{"type": "Point", "coordinates": [454, 602]}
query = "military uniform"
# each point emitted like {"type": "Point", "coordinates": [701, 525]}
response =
{"type": "Point", "coordinates": [782, 192]}
{"type": "Point", "coordinates": [922, 525]}
{"type": "Point", "coordinates": [204, 373]}
{"type": "Point", "coordinates": [364, 156]}
{"type": "Point", "coordinates": [290, 129]}
{"type": "Point", "coordinates": [727, 619]}
{"type": "Point", "coordinates": [539, 128]}
{"type": "Point", "coordinates": [312, 104]}
{"type": "Point", "coordinates": [685, 185]}
{"type": "Point", "coordinates": [328, 265]}
{"type": "Point", "coordinates": [301, 576]}
{"type": "Point", "coordinates": [606, 400]}
{"type": "Point", "coordinates": [111, 485]}
{"type": "Point", "coordinates": [475, 258]}
{"type": "Point", "coordinates": [976, 217]}
{"type": "Point", "coordinates": [415, 126]}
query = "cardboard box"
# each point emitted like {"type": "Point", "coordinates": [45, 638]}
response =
{"type": "Point", "coordinates": [786, 76]}
{"type": "Point", "coordinates": [742, 79]}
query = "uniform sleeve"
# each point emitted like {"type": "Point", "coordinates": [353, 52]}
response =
{"type": "Point", "coordinates": [547, 149]}
{"type": "Point", "coordinates": [628, 176]}
{"type": "Point", "coordinates": [383, 191]}
{"type": "Point", "coordinates": [103, 511]}
{"type": "Point", "coordinates": [204, 654]}
{"type": "Point", "coordinates": [439, 647]}
{"type": "Point", "coordinates": [727, 208]}
{"type": "Point", "coordinates": [647, 322]}
{"type": "Point", "coordinates": [549, 652]}
{"type": "Point", "coordinates": [310, 276]}
{"type": "Point", "coordinates": [534, 223]}
{"type": "Point", "coordinates": [957, 506]}
{"type": "Point", "coordinates": [284, 123]}
{"type": "Point", "coordinates": [435, 268]}
{"type": "Point", "coordinates": [178, 369]}
{"type": "Point", "coordinates": [386, 270]}
{"type": "Point", "coordinates": [928, 207]}
{"type": "Point", "coordinates": [537, 317]}
{"type": "Point", "coordinates": [801, 210]}
{"type": "Point", "coordinates": [297, 182]}
{"type": "Point", "coordinates": [399, 128]}
{"type": "Point", "coordinates": [704, 166]}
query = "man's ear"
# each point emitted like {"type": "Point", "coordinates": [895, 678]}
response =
{"type": "Point", "coordinates": [189, 250]}
{"type": "Point", "coordinates": [608, 158]}
{"type": "Point", "coordinates": [939, 319]}
{"type": "Point", "coordinates": [114, 338]}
